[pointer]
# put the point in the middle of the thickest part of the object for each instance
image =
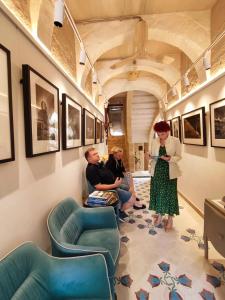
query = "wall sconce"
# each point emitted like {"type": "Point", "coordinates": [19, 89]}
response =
{"type": "Point", "coordinates": [174, 91]}
{"type": "Point", "coordinates": [82, 56]}
{"type": "Point", "coordinates": [94, 77]}
{"type": "Point", "coordinates": [59, 13]}
{"type": "Point", "coordinates": [186, 80]}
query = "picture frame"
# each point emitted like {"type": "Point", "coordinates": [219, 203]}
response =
{"type": "Point", "coordinates": [7, 149]}
{"type": "Point", "coordinates": [71, 123]}
{"type": "Point", "coordinates": [169, 122]}
{"type": "Point", "coordinates": [176, 127]}
{"type": "Point", "coordinates": [102, 132]}
{"type": "Point", "coordinates": [88, 128]}
{"type": "Point", "coordinates": [97, 131]}
{"type": "Point", "coordinates": [194, 127]}
{"type": "Point", "coordinates": [217, 123]}
{"type": "Point", "coordinates": [41, 113]}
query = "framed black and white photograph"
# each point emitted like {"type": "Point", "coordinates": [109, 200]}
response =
{"type": "Point", "coordinates": [71, 123]}
{"type": "Point", "coordinates": [194, 127]}
{"type": "Point", "coordinates": [88, 128]}
{"type": "Point", "coordinates": [41, 113]}
{"type": "Point", "coordinates": [97, 131]}
{"type": "Point", "coordinates": [217, 123]}
{"type": "Point", "coordinates": [102, 132]}
{"type": "Point", "coordinates": [176, 127]}
{"type": "Point", "coordinates": [7, 152]}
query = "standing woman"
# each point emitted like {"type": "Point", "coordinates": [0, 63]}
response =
{"type": "Point", "coordinates": [164, 154]}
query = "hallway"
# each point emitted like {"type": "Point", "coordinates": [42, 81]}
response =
{"type": "Point", "coordinates": [154, 262]}
{"type": "Point", "coordinates": [138, 81]}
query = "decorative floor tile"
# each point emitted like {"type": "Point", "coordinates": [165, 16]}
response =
{"type": "Point", "coordinates": [159, 265]}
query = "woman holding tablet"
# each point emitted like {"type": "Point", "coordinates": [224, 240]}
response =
{"type": "Point", "coordinates": [164, 154]}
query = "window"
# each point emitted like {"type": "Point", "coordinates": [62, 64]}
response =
{"type": "Point", "coordinates": [116, 119]}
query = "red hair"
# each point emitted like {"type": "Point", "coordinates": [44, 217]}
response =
{"type": "Point", "coordinates": [161, 126]}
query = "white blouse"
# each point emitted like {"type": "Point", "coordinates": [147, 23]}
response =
{"type": "Point", "coordinates": [173, 149]}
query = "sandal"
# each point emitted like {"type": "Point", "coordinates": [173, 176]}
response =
{"type": "Point", "coordinates": [168, 225]}
{"type": "Point", "coordinates": [157, 220]}
{"type": "Point", "coordinates": [143, 206]}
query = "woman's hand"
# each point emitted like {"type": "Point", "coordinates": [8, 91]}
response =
{"type": "Point", "coordinates": [166, 158]}
{"type": "Point", "coordinates": [118, 182]}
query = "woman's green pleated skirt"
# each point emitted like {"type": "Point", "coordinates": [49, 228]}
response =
{"type": "Point", "coordinates": [163, 191]}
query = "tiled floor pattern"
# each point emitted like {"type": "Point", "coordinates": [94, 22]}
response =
{"type": "Point", "coordinates": [159, 265]}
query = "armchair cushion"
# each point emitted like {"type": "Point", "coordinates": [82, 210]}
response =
{"type": "Point", "coordinates": [29, 273]}
{"type": "Point", "coordinates": [105, 238]}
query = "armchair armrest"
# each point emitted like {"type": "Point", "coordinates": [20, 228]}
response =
{"type": "Point", "coordinates": [99, 217]}
{"type": "Point", "coordinates": [69, 250]}
{"type": "Point", "coordinates": [83, 277]}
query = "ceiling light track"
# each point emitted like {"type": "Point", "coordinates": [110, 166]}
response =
{"type": "Point", "coordinates": [206, 57]}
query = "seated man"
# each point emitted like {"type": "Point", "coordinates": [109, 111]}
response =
{"type": "Point", "coordinates": [103, 179]}
{"type": "Point", "coordinates": [115, 165]}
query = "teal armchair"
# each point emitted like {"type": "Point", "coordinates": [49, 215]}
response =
{"type": "Point", "coordinates": [75, 230]}
{"type": "Point", "coordinates": [28, 273]}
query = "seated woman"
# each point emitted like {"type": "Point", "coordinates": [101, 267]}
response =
{"type": "Point", "coordinates": [115, 165]}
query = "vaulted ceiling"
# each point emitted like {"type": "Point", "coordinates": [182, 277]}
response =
{"type": "Point", "coordinates": [134, 45]}
{"type": "Point", "coordinates": [141, 43]}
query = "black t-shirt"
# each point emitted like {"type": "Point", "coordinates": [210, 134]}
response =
{"type": "Point", "coordinates": [96, 174]}
{"type": "Point", "coordinates": [115, 166]}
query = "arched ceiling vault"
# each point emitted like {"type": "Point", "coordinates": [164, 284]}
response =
{"type": "Point", "coordinates": [188, 31]}
{"type": "Point", "coordinates": [119, 85]}
{"type": "Point", "coordinates": [169, 73]}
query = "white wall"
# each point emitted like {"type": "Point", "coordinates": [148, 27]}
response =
{"type": "Point", "coordinates": [203, 167]}
{"type": "Point", "coordinates": [30, 187]}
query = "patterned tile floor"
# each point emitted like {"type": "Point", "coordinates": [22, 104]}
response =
{"type": "Point", "coordinates": [159, 265]}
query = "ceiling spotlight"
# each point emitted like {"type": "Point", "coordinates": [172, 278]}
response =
{"type": "Point", "coordinates": [94, 77]}
{"type": "Point", "coordinates": [82, 56]}
{"type": "Point", "coordinates": [186, 80]}
{"type": "Point", "coordinates": [207, 60]}
{"type": "Point", "coordinates": [174, 91]}
{"type": "Point", "coordinates": [59, 13]}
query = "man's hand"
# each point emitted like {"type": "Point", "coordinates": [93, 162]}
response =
{"type": "Point", "coordinates": [166, 158]}
{"type": "Point", "coordinates": [118, 182]}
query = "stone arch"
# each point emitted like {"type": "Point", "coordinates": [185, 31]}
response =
{"type": "Point", "coordinates": [168, 73]}
{"type": "Point", "coordinates": [116, 86]}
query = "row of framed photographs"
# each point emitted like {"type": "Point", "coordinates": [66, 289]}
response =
{"type": "Point", "coordinates": [41, 114]}
{"type": "Point", "coordinates": [191, 127]}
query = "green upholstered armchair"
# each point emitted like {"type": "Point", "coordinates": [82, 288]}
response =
{"type": "Point", "coordinates": [75, 230]}
{"type": "Point", "coordinates": [28, 273]}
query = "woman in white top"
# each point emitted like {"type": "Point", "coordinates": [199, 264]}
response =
{"type": "Point", "coordinates": [165, 152]}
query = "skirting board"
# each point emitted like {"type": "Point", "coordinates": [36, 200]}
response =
{"type": "Point", "coordinates": [192, 205]}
